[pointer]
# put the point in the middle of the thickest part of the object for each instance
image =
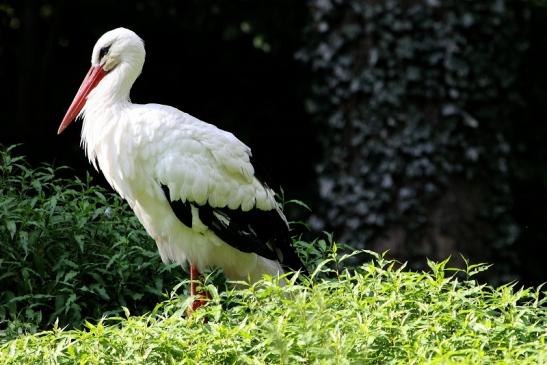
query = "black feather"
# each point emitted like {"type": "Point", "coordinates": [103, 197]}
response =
{"type": "Point", "coordinates": [263, 232]}
{"type": "Point", "coordinates": [183, 211]}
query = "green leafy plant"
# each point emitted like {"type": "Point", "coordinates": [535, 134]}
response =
{"type": "Point", "coordinates": [375, 314]}
{"type": "Point", "coordinates": [70, 251]}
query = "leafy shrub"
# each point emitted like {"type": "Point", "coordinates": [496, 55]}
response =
{"type": "Point", "coordinates": [376, 314]}
{"type": "Point", "coordinates": [70, 250]}
{"type": "Point", "coordinates": [414, 103]}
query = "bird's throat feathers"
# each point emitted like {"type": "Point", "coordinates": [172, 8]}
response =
{"type": "Point", "coordinates": [104, 108]}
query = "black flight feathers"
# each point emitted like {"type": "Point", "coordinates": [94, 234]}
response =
{"type": "Point", "coordinates": [262, 232]}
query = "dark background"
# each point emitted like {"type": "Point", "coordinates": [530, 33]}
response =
{"type": "Point", "coordinates": [414, 126]}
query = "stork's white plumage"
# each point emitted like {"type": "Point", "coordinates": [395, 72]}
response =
{"type": "Point", "coordinates": [191, 184]}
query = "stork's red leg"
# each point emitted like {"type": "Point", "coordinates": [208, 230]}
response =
{"type": "Point", "coordinates": [202, 296]}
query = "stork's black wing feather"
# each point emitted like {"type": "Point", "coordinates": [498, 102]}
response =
{"type": "Point", "coordinates": [263, 232]}
{"type": "Point", "coordinates": [183, 210]}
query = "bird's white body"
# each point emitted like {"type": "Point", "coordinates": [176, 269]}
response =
{"type": "Point", "coordinates": [138, 148]}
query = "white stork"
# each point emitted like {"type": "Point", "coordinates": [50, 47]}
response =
{"type": "Point", "coordinates": [191, 184]}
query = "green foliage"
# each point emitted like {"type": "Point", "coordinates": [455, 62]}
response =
{"type": "Point", "coordinates": [70, 251]}
{"type": "Point", "coordinates": [376, 314]}
{"type": "Point", "coordinates": [414, 101]}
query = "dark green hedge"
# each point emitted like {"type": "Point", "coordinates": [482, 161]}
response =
{"type": "Point", "coordinates": [70, 251]}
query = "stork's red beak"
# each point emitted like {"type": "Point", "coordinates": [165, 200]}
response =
{"type": "Point", "coordinates": [93, 77]}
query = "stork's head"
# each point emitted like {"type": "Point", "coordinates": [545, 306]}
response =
{"type": "Point", "coordinates": [116, 62]}
{"type": "Point", "coordinates": [118, 46]}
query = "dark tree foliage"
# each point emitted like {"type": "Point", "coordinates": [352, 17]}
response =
{"type": "Point", "coordinates": [414, 101]}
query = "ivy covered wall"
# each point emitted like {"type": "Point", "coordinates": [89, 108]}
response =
{"type": "Point", "coordinates": [414, 103]}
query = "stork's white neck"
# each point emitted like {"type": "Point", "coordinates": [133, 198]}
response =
{"type": "Point", "coordinates": [103, 110]}
{"type": "Point", "coordinates": [114, 87]}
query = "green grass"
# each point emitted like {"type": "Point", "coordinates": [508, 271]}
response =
{"type": "Point", "coordinates": [376, 314]}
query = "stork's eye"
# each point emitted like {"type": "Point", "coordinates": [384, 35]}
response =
{"type": "Point", "coordinates": [104, 51]}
